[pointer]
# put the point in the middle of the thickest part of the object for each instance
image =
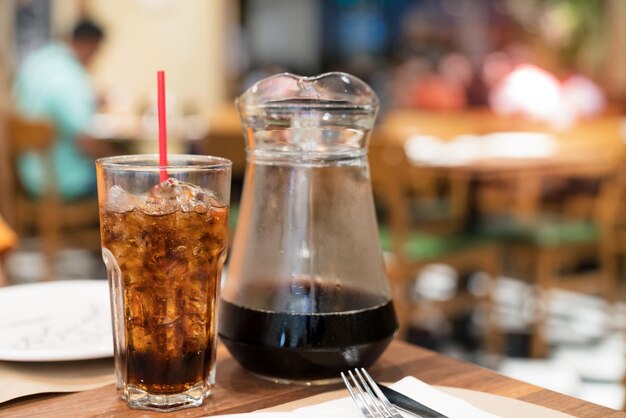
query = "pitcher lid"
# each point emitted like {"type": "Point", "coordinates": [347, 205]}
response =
{"type": "Point", "coordinates": [329, 90]}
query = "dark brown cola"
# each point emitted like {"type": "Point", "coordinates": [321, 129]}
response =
{"type": "Point", "coordinates": [169, 273]}
{"type": "Point", "coordinates": [352, 331]}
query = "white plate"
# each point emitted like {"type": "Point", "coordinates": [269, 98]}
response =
{"type": "Point", "coordinates": [55, 321]}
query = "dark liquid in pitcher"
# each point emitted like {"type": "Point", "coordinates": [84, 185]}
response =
{"type": "Point", "coordinates": [303, 346]}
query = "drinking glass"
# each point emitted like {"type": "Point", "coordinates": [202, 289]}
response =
{"type": "Point", "coordinates": [164, 236]}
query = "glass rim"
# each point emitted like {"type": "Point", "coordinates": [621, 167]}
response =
{"type": "Point", "coordinates": [141, 162]}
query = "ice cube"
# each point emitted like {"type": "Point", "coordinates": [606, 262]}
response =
{"type": "Point", "coordinates": [173, 195]}
{"type": "Point", "coordinates": [119, 200]}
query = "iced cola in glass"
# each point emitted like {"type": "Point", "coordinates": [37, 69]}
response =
{"type": "Point", "coordinates": [164, 244]}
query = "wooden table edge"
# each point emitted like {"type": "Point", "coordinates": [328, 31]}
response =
{"type": "Point", "coordinates": [236, 391]}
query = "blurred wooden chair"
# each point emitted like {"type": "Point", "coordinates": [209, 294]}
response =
{"type": "Point", "coordinates": [547, 245]}
{"type": "Point", "coordinates": [55, 221]}
{"type": "Point", "coordinates": [425, 214]}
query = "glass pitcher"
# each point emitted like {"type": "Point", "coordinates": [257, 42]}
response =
{"type": "Point", "coordinates": [306, 295]}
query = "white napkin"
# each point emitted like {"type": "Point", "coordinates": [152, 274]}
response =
{"type": "Point", "coordinates": [410, 386]}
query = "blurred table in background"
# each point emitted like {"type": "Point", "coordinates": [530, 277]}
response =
{"type": "Point", "coordinates": [124, 134]}
{"type": "Point", "coordinates": [217, 134]}
{"type": "Point", "coordinates": [481, 146]}
{"type": "Point", "coordinates": [225, 138]}
{"type": "Point", "coordinates": [587, 143]}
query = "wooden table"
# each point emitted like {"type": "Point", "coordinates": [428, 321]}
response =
{"type": "Point", "coordinates": [590, 148]}
{"type": "Point", "coordinates": [237, 391]}
{"type": "Point", "coordinates": [596, 143]}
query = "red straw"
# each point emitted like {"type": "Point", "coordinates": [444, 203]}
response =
{"type": "Point", "coordinates": [162, 127]}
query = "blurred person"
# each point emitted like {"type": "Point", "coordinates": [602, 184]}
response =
{"type": "Point", "coordinates": [406, 74]}
{"type": "Point", "coordinates": [437, 92]}
{"type": "Point", "coordinates": [499, 64]}
{"type": "Point", "coordinates": [583, 95]}
{"type": "Point", "coordinates": [534, 93]}
{"type": "Point", "coordinates": [496, 67]}
{"type": "Point", "coordinates": [53, 84]}
{"type": "Point", "coordinates": [456, 67]}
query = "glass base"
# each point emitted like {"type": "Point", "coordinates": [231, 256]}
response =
{"type": "Point", "coordinates": [140, 399]}
{"type": "Point", "coordinates": [282, 381]}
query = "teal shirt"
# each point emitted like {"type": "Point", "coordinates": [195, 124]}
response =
{"type": "Point", "coordinates": [53, 84]}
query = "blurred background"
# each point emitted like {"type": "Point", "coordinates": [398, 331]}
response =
{"type": "Point", "coordinates": [497, 163]}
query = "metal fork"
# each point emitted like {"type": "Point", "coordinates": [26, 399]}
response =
{"type": "Point", "coordinates": [367, 396]}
